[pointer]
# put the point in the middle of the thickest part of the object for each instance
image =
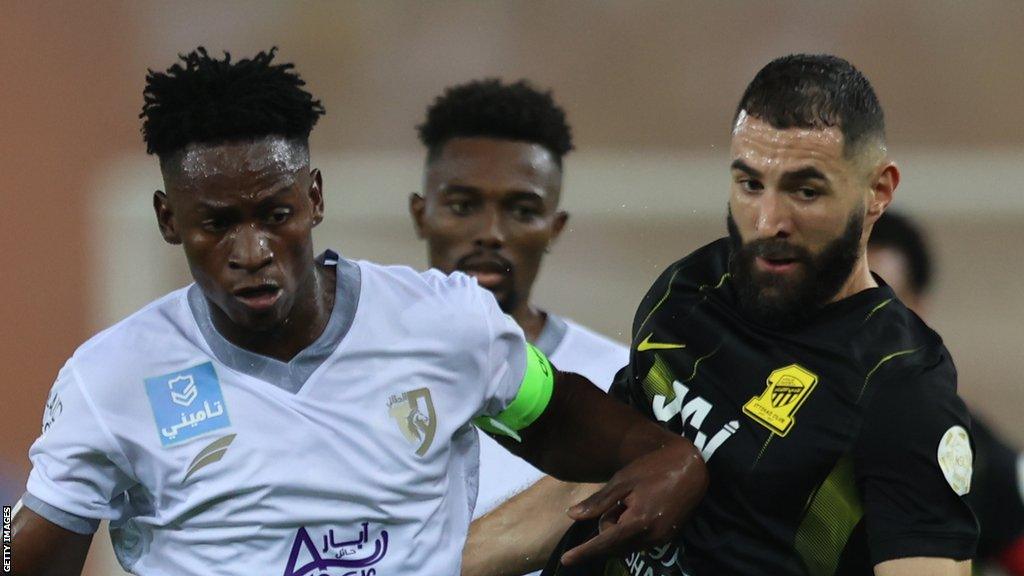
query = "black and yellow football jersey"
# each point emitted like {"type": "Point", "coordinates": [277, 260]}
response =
{"type": "Point", "coordinates": [831, 446]}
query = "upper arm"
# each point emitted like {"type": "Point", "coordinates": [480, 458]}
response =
{"type": "Point", "coordinates": [42, 548]}
{"type": "Point", "coordinates": [923, 567]}
{"type": "Point", "coordinates": [913, 463]}
{"type": "Point", "coordinates": [78, 474]}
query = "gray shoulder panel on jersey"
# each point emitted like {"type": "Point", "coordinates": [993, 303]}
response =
{"type": "Point", "coordinates": [552, 334]}
{"type": "Point", "coordinates": [289, 376]}
{"type": "Point", "coordinates": [65, 520]}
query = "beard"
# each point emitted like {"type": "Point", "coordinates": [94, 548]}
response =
{"type": "Point", "coordinates": [783, 300]}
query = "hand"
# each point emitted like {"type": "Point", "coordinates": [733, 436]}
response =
{"type": "Point", "coordinates": [644, 504]}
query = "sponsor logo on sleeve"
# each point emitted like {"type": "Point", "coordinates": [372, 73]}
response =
{"type": "Point", "coordinates": [414, 414]}
{"type": "Point", "coordinates": [187, 403]}
{"type": "Point", "coordinates": [787, 390]}
{"type": "Point", "coordinates": [54, 408]}
{"type": "Point", "coordinates": [324, 555]}
{"type": "Point", "coordinates": [956, 459]}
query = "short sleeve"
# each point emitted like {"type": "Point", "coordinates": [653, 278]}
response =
{"type": "Point", "coordinates": [627, 390]}
{"type": "Point", "coordinates": [75, 481]}
{"type": "Point", "coordinates": [506, 358]}
{"type": "Point", "coordinates": [913, 462]}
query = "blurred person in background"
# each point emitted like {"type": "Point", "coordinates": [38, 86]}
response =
{"type": "Point", "coordinates": [490, 208]}
{"type": "Point", "coordinates": [825, 409]}
{"type": "Point", "coordinates": [899, 252]}
{"type": "Point", "coordinates": [291, 413]}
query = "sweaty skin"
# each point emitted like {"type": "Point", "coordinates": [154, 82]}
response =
{"type": "Point", "coordinates": [798, 185]}
{"type": "Point", "coordinates": [246, 228]}
{"type": "Point", "coordinates": [490, 208]}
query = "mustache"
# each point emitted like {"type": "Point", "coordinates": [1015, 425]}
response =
{"type": "Point", "coordinates": [776, 249]}
{"type": "Point", "coordinates": [484, 260]}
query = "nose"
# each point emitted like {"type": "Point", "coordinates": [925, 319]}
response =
{"type": "Point", "coordinates": [773, 217]}
{"type": "Point", "coordinates": [250, 250]}
{"type": "Point", "coordinates": [490, 232]}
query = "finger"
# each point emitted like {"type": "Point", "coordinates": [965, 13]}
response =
{"type": "Point", "coordinates": [615, 538]}
{"type": "Point", "coordinates": [611, 517]}
{"type": "Point", "coordinates": [599, 502]}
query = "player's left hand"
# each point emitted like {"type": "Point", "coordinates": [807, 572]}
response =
{"type": "Point", "coordinates": [644, 504]}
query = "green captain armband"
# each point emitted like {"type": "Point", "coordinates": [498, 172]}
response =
{"type": "Point", "coordinates": [531, 401]}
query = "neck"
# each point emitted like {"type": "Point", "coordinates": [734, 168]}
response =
{"type": "Point", "coordinates": [305, 323]}
{"type": "Point", "coordinates": [530, 319]}
{"type": "Point", "coordinates": [860, 279]}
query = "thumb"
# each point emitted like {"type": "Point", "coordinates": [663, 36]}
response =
{"type": "Point", "coordinates": [599, 502]}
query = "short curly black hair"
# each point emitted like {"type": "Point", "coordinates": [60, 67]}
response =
{"type": "Point", "coordinates": [898, 232]}
{"type": "Point", "coordinates": [492, 109]}
{"type": "Point", "coordinates": [203, 100]}
{"type": "Point", "coordinates": [816, 91]}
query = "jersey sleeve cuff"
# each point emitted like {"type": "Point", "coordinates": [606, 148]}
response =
{"type": "Point", "coordinates": [65, 520]}
{"type": "Point", "coordinates": [952, 546]}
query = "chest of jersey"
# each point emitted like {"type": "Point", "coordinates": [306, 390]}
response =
{"type": "Point", "coordinates": [773, 413]}
{"type": "Point", "coordinates": [340, 477]}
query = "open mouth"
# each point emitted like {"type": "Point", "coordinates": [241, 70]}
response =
{"type": "Point", "coordinates": [259, 297]}
{"type": "Point", "coordinates": [777, 264]}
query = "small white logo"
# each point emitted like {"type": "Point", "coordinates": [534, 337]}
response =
{"type": "Point", "coordinates": [188, 390]}
{"type": "Point", "coordinates": [956, 459]}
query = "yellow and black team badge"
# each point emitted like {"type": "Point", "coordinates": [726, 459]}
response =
{"type": "Point", "coordinates": [776, 407]}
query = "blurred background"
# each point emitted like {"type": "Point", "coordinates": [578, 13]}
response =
{"type": "Point", "coordinates": [649, 88]}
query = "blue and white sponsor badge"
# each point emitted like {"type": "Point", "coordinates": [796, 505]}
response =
{"type": "Point", "coordinates": [187, 403]}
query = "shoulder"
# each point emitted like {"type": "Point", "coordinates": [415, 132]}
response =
{"type": "Point", "coordinates": [703, 269]}
{"type": "Point", "coordinates": [590, 354]}
{"type": "Point", "coordinates": [449, 307]}
{"type": "Point", "coordinates": [705, 265]}
{"type": "Point", "coordinates": [903, 355]}
{"type": "Point", "coordinates": [145, 331]}
{"type": "Point", "coordinates": [162, 331]}
{"type": "Point", "coordinates": [409, 282]}
{"type": "Point", "coordinates": [583, 341]}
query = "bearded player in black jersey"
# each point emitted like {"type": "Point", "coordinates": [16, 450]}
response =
{"type": "Point", "coordinates": [825, 409]}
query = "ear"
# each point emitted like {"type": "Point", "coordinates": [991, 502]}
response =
{"type": "Point", "coordinates": [883, 189]}
{"type": "Point", "coordinates": [316, 196]}
{"type": "Point", "coordinates": [561, 217]}
{"type": "Point", "coordinates": [165, 218]}
{"type": "Point", "coordinates": [417, 209]}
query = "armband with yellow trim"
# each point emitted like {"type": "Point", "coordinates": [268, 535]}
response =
{"type": "Point", "coordinates": [531, 401]}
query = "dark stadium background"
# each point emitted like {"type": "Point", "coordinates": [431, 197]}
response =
{"type": "Point", "coordinates": [649, 88]}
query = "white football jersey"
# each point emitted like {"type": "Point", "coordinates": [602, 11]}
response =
{"type": "Point", "coordinates": [356, 458]}
{"type": "Point", "coordinates": [570, 348]}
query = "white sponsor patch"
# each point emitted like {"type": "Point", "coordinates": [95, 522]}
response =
{"type": "Point", "coordinates": [956, 459]}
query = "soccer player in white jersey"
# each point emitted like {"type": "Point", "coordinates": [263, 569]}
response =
{"type": "Point", "coordinates": [296, 415]}
{"type": "Point", "coordinates": [490, 208]}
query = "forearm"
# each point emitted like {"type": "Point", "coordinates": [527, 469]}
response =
{"type": "Point", "coordinates": [586, 436]}
{"type": "Point", "coordinates": [519, 536]}
{"type": "Point", "coordinates": [39, 548]}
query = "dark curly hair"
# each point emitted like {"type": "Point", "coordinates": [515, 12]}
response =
{"type": "Point", "coordinates": [492, 109]}
{"type": "Point", "coordinates": [207, 101]}
{"type": "Point", "coordinates": [816, 91]}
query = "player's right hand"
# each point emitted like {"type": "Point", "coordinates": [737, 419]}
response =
{"type": "Point", "coordinates": [644, 504]}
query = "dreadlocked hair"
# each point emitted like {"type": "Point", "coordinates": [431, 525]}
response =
{"type": "Point", "coordinates": [203, 100]}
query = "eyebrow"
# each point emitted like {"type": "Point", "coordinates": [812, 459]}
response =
{"type": "Point", "coordinates": [515, 194]}
{"type": "Point", "coordinates": [806, 173]}
{"type": "Point", "coordinates": [263, 198]}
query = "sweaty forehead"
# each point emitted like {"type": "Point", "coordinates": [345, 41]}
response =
{"type": "Point", "coordinates": [268, 157]}
{"type": "Point", "coordinates": [495, 165]}
{"type": "Point", "coordinates": [764, 146]}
